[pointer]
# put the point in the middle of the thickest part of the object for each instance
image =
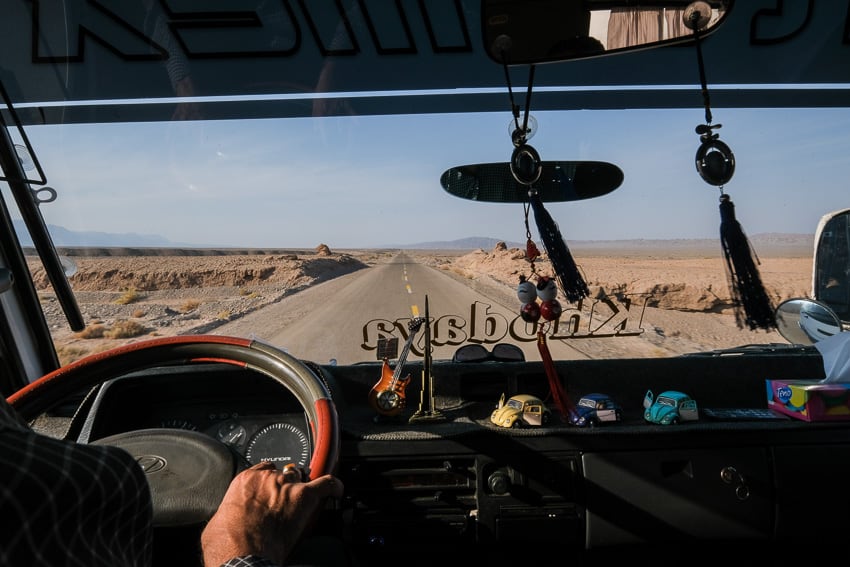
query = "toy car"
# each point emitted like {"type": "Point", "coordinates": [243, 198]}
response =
{"type": "Point", "coordinates": [521, 410]}
{"type": "Point", "coordinates": [669, 408]}
{"type": "Point", "coordinates": [593, 409]}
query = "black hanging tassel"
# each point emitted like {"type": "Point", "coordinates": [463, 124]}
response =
{"type": "Point", "coordinates": [565, 268]}
{"type": "Point", "coordinates": [744, 279]}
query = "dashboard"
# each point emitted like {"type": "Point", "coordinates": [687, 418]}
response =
{"type": "Point", "coordinates": [460, 487]}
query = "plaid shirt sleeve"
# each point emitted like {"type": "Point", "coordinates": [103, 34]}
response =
{"type": "Point", "coordinates": [66, 503]}
{"type": "Point", "coordinates": [250, 561]}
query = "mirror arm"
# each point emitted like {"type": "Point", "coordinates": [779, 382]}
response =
{"type": "Point", "coordinates": [520, 134]}
{"type": "Point", "coordinates": [28, 208]}
{"type": "Point", "coordinates": [527, 103]}
{"type": "Point", "coordinates": [692, 23]}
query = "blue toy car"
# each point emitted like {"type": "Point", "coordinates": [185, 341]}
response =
{"type": "Point", "coordinates": [593, 409]}
{"type": "Point", "coordinates": [669, 408]}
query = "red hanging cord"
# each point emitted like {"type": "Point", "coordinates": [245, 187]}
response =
{"type": "Point", "coordinates": [559, 394]}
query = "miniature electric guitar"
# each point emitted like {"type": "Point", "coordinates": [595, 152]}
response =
{"type": "Point", "coordinates": [387, 397]}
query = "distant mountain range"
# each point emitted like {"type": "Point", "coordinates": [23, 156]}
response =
{"type": "Point", "coordinates": [63, 237]}
{"type": "Point", "coordinates": [767, 240]}
{"type": "Point", "coordinates": [470, 243]}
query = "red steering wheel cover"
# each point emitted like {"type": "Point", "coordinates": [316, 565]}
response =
{"type": "Point", "coordinates": [326, 449]}
{"type": "Point", "coordinates": [94, 369]}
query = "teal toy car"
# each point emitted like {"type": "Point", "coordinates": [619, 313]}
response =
{"type": "Point", "coordinates": [669, 408]}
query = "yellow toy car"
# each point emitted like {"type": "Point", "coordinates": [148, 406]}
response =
{"type": "Point", "coordinates": [521, 410]}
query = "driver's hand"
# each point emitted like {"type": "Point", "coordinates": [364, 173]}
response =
{"type": "Point", "coordinates": [265, 512]}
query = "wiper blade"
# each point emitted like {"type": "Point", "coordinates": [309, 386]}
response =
{"type": "Point", "coordinates": [28, 207]}
{"type": "Point", "coordinates": [766, 348]}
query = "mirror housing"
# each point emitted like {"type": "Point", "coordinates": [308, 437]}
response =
{"type": "Point", "coordinates": [558, 181]}
{"type": "Point", "coordinates": [805, 321]}
{"type": "Point", "coordinates": [831, 266]}
{"type": "Point", "coordinates": [527, 32]}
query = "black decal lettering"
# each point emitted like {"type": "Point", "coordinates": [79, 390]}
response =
{"type": "Point", "coordinates": [628, 326]}
{"type": "Point", "coordinates": [446, 26]}
{"type": "Point", "coordinates": [522, 330]}
{"type": "Point", "coordinates": [403, 328]}
{"type": "Point", "coordinates": [449, 330]}
{"type": "Point", "coordinates": [330, 26]}
{"type": "Point", "coordinates": [770, 26]}
{"type": "Point", "coordinates": [614, 319]}
{"type": "Point", "coordinates": [87, 20]}
{"type": "Point", "coordinates": [619, 314]}
{"type": "Point", "coordinates": [845, 38]}
{"type": "Point", "coordinates": [391, 33]}
{"type": "Point", "coordinates": [375, 329]}
{"type": "Point", "coordinates": [570, 326]}
{"type": "Point", "coordinates": [486, 326]}
{"type": "Point", "coordinates": [269, 30]}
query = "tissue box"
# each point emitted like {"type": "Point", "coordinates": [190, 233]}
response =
{"type": "Point", "coordinates": [810, 400]}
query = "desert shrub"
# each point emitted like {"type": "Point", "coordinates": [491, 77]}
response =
{"type": "Point", "coordinates": [190, 305]}
{"type": "Point", "coordinates": [68, 354]}
{"type": "Point", "coordinates": [128, 297]}
{"type": "Point", "coordinates": [247, 293]}
{"type": "Point", "coordinates": [223, 315]}
{"type": "Point", "coordinates": [125, 329]}
{"type": "Point", "coordinates": [138, 313]}
{"type": "Point", "coordinates": [463, 273]}
{"type": "Point", "coordinates": [93, 331]}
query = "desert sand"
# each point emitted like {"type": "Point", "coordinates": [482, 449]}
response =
{"type": "Point", "coordinates": [123, 299]}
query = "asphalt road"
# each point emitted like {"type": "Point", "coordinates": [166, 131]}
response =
{"type": "Point", "coordinates": [344, 318]}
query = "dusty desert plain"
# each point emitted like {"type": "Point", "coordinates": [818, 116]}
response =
{"type": "Point", "coordinates": [125, 296]}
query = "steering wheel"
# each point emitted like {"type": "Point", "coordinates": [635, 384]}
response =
{"type": "Point", "coordinates": [189, 472]}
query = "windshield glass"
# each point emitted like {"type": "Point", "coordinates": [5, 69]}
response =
{"type": "Point", "coordinates": [280, 172]}
{"type": "Point", "coordinates": [267, 227]}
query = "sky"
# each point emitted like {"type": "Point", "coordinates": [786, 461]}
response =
{"type": "Point", "coordinates": [369, 182]}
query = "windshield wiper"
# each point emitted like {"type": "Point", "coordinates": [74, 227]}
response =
{"type": "Point", "coordinates": [766, 348]}
{"type": "Point", "coordinates": [28, 207]}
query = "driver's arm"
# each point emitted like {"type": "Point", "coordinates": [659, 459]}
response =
{"type": "Point", "coordinates": [263, 516]}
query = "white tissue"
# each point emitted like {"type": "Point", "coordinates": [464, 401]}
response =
{"type": "Point", "coordinates": [835, 351]}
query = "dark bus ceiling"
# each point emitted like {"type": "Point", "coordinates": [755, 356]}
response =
{"type": "Point", "coordinates": [97, 64]}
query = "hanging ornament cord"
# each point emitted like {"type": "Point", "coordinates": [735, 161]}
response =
{"type": "Point", "coordinates": [520, 134]}
{"type": "Point", "coordinates": [559, 394]}
{"type": "Point", "coordinates": [531, 250]}
{"type": "Point", "coordinates": [716, 165]}
{"type": "Point", "coordinates": [567, 273]}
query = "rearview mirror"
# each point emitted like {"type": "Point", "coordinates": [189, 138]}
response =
{"type": "Point", "coordinates": [523, 32]}
{"type": "Point", "coordinates": [559, 181]}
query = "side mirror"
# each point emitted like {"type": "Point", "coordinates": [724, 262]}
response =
{"type": "Point", "coordinates": [831, 274]}
{"type": "Point", "coordinates": [805, 321]}
{"type": "Point", "coordinates": [526, 32]}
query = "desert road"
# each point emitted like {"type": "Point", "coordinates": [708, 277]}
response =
{"type": "Point", "coordinates": [382, 300]}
